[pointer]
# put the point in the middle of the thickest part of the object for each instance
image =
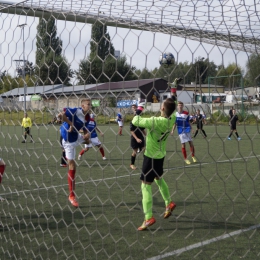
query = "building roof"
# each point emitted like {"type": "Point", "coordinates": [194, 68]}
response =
{"type": "Point", "coordinates": [101, 87]}
{"type": "Point", "coordinates": [32, 90]}
{"type": "Point", "coordinates": [202, 86]}
{"type": "Point", "coordinates": [132, 84]}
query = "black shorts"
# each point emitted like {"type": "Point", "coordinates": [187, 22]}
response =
{"type": "Point", "coordinates": [136, 145]}
{"type": "Point", "coordinates": [233, 127]}
{"type": "Point", "coordinates": [152, 168]}
{"type": "Point", "coordinates": [27, 130]}
{"type": "Point", "coordinates": [199, 126]}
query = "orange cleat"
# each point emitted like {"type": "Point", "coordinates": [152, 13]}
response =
{"type": "Point", "coordinates": [73, 201]}
{"type": "Point", "coordinates": [147, 223]}
{"type": "Point", "coordinates": [169, 210]}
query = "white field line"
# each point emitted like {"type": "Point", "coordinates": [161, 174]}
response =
{"type": "Point", "coordinates": [203, 243]}
{"type": "Point", "coordinates": [124, 176]}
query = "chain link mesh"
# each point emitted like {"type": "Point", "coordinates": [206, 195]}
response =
{"type": "Point", "coordinates": [56, 53]}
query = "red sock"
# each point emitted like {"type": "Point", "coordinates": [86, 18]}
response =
{"type": "Point", "coordinates": [2, 169]}
{"type": "Point", "coordinates": [82, 152]}
{"type": "Point", "coordinates": [102, 151]}
{"type": "Point", "coordinates": [192, 149]}
{"type": "Point", "coordinates": [71, 181]}
{"type": "Point", "coordinates": [184, 153]}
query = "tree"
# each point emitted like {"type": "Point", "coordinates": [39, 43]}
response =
{"type": "Point", "coordinates": [8, 83]}
{"type": "Point", "coordinates": [28, 69]}
{"type": "Point", "coordinates": [100, 44]}
{"type": "Point", "coordinates": [47, 40]}
{"type": "Point", "coordinates": [102, 65]}
{"type": "Point", "coordinates": [252, 75]}
{"type": "Point", "coordinates": [118, 69]}
{"type": "Point", "coordinates": [227, 76]}
{"type": "Point", "coordinates": [112, 69]}
{"type": "Point", "coordinates": [2, 74]}
{"type": "Point", "coordinates": [51, 67]}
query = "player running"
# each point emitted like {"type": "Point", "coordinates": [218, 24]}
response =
{"type": "Point", "coordinates": [120, 122]}
{"type": "Point", "coordinates": [233, 125]}
{"type": "Point", "coordinates": [184, 128]}
{"type": "Point", "coordinates": [200, 120]}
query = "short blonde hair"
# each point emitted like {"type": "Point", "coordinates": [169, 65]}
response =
{"type": "Point", "coordinates": [85, 99]}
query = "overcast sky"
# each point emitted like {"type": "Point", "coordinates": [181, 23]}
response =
{"type": "Point", "coordinates": [142, 48]}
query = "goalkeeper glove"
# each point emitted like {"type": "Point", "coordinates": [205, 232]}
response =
{"type": "Point", "coordinates": [174, 85]}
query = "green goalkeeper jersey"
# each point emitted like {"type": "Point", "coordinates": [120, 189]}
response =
{"type": "Point", "coordinates": [158, 129]}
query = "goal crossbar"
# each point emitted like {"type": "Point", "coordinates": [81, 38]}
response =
{"type": "Point", "coordinates": [232, 41]}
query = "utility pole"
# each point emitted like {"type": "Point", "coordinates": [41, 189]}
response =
{"type": "Point", "coordinates": [198, 76]}
{"type": "Point", "coordinates": [24, 83]}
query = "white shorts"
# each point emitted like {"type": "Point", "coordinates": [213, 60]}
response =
{"type": "Point", "coordinates": [70, 148]}
{"type": "Point", "coordinates": [94, 142]}
{"type": "Point", "coordinates": [185, 137]}
{"type": "Point", "coordinates": [120, 123]}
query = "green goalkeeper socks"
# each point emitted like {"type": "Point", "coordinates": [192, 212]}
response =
{"type": "Point", "coordinates": [147, 200]}
{"type": "Point", "coordinates": [163, 187]}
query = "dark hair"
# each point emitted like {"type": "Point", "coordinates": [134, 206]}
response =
{"type": "Point", "coordinates": [169, 106]}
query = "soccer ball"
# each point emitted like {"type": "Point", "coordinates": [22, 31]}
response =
{"type": "Point", "coordinates": [166, 59]}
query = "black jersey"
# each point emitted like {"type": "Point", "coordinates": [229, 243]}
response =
{"type": "Point", "coordinates": [234, 120]}
{"type": "Point", "coordinates": [199, 119]}
{"type": "Point", "coordinates": [137, 130]}
{"type": "Point", "coordinates": [230, 113]}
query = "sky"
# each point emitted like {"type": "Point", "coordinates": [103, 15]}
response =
{"type": "Point", "coordinates": [142, 48]}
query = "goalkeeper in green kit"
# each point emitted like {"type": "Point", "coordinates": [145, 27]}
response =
{"type": "Point", "coordinates": [158, 130]}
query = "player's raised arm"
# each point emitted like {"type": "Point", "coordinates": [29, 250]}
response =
{"type": "Point", "coordinates": [174, 86]}
{"type": "Point", "coordinates": [173, 128]}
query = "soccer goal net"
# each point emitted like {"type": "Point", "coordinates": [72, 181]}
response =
{"type": "Point", "coordinates": [66, 200]}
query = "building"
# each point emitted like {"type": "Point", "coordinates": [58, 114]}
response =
{"type": "Point", "coordinates": [117, 54]}
{"type": "Point", "coordinates": [60, 96]}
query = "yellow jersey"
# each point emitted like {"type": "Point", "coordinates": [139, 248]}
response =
{"type": "Point", "coordinates": [27, 122]}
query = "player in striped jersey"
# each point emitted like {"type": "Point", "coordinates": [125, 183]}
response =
{"type": "Point", "coordinates": [184, 131]}
{"type": "Point", "coordinates": [92, 128]}
{"type": "Point", "coordinates": [74, 119]}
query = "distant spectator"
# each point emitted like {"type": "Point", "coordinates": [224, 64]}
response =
{"type": "Point", "coordinates": [27, 124]}
{"type": "Point", "coordinates": [120, 122]}
{"type": "Point", "coordinates": [233, 127]}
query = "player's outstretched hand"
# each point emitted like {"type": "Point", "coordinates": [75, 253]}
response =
{"type": "Point", "coordinates": [86, 138]}
{"type": "Point", "coordinates": [138, 140]}
{"type": "Point", "coordinates": [70, 129]}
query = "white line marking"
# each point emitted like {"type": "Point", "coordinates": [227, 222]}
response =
{"type": "Point", "coordinates": [124, 176]}
{"type": "Point", "coordinates": [203, 243]}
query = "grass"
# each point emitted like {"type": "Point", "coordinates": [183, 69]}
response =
{"type": "Point", "coordinates": [216, 196]}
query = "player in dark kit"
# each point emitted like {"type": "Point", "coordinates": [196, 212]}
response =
{"type": "Point", "coordinates": [199, 120]}
{"type": "Point", "coordinates": [137, 139]}
{"type": "Point", "coordinates": [233, 125]}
